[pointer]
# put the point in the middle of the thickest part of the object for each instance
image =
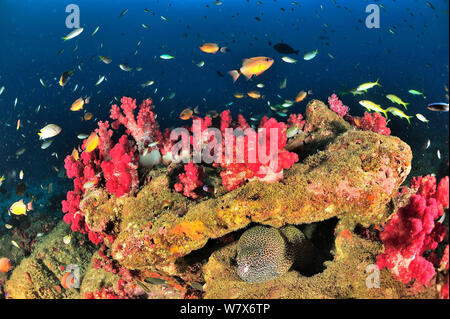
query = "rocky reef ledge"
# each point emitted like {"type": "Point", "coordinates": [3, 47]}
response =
{"type": "Point", "coordinates": [346, 183]}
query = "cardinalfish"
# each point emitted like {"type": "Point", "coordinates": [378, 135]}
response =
{"type": "Point", "coordinates": [91, 143]}
{"type": "Point", "coordinates": [75, 154]}
{"type": "Point", "coordinates": [88, 116]}
{"type": "Point", "coordinates": [65, 77]}
{"type": "Point", "coordinates": [186, 114]}
{"type": "Point", "coordinates": [300, 96]}
{"type": "Point", "coordinates": [254, 94]}
{"type": "Point", "coordinates": [20, 208]}
{"type": "Point", "coordinates": [253, 66]}
{"type": "Point", "coordinates": [212, 48]}
{"type": "Point", "coordinates": [79, 103]}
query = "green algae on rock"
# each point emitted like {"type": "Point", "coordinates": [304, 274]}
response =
{"type": "Point", "coordinates": [39, 275]}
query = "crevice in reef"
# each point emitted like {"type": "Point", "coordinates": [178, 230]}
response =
{"type": "Point", "coordinates": [321, 235]}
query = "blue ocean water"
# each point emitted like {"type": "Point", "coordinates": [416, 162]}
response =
{"type": "Point", "coordinates": [413, 55]}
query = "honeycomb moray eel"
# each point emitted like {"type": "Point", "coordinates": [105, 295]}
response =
{"type": "Point", "coordinates": [265, 253]}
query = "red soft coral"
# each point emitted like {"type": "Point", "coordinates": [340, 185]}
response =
{"type": "Point", "coordinates": [120, 172]}
{"type": "Point", "coordinates": [372, 122]}
{"type": "Point", "coordinates": [412, 231]}
{"type": "Point", "coordinates": [262, 157]}
{"type": "Point", "coordinates": [144, 128]}
{"type": "Point", "coordinates": [190, 180]}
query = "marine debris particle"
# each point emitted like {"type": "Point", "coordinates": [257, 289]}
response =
{"type": "Point", "coordinates": [265, 253]}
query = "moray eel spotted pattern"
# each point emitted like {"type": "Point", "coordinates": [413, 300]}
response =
{"type": "Point", "coordinates": [265, 253]}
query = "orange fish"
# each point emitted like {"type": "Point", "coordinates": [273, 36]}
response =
{"type": "Point", "coordinates": [212, 48]}
{"type": "Point", "coordinates": [88, 116]}
{"type": "Point", "coordinates": [78, 104]}
{"type": "Point", "coordinates": [67, 280]}
{"type": "Point", "coordinates": [91, 143]}
{"type": "Point", "coordinates": [18, 125]}
{"type": "Point", "coordinates": [5, 264]}
{"type": "Point", "coordinates": [253, 66]}
{"type": "Point", "coordinates": [186, 114]}
{"type": "Point", "coordinates": [212, 114]}
{"type": "Point", "coordinates": [238, 95]}
{"type": "Point", "coordinates": [75, 154]}
{"type": "Point", "coordinates": [254, 94]}
{"type": "Point", "coordinates": [300, 96]}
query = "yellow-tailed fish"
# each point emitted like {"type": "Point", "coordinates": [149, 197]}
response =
{"type": "Point", "coordinates": [395, 111]}
{"type": "Point", "coordinates": [371, 106]}
{"type": "Point", "coordinates": [73, 34]}
{"type": "Point", "coordinates": [310, 55]}
{"type": "Point", "coordinates": [395, 99]}
{"type": "Point", "coordinates": [368, 85]}
{"type": "Point", "coordinates": [422, 118]}
{"type": "Point", "coordinates": [415, 92]}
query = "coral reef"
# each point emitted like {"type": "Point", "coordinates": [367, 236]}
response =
{"type": "Point", "coordinates": [245, 229]}
{"type": "Point", "coordinates": [351, 274]}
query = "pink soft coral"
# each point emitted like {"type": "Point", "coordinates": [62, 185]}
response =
{"type": "Point", "coordinates": [413, 230]}
{"type": "Point", "coordinates": [337, 106]}
{"type": "Point", "coordinates": [190, 180]}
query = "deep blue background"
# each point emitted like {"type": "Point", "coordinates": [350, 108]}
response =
{"type": "Point", "coordinates": [30, 38]}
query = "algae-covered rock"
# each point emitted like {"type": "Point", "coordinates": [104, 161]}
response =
{"type": "Point", "coordinates": [354, 178]}
{"type": "Point", "coordinates": [39, 275]}
{"type": "Point", "coordinates": [351, 274]}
